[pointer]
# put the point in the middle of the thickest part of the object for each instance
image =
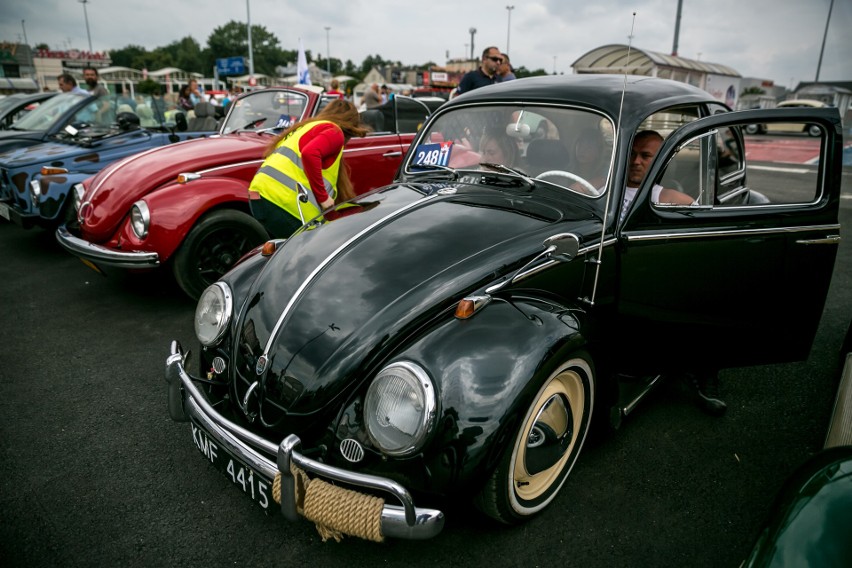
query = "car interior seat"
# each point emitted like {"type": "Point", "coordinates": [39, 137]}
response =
{"type": "Point", "coordinates": [204, 119]}
{"type": "Point", "coordinates": [146, 116]}
{"type": "Point", "coordinates": [545, 154]}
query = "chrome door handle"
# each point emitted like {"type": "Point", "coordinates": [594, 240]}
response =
{"type": "Point", "coordinates": [392, 154]}
{"type": "Point", "coordinates": [830, 240]}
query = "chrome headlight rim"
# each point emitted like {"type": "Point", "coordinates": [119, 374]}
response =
{"type": "Point", "coordinates": [426, 389]}
{"type": "Point", "coordinates": [78, 191]}
{"type": "Point", "coordinates": [220, 293]}
{"type": "Point", "coordinates": [140, 219]}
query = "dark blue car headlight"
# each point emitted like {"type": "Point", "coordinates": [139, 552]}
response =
{"type": "Point", "coordinates": [400, 408]}
{"type": "Point", "coordinates": [213, 313]}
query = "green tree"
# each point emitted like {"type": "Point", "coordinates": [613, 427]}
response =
{"type": "Point", "coordinates": [128, 56]}
{"type": "Point", "coordinates": [522, 71]}
{"type": "Point", "coordinates": [231, 40]}
{"type": "Point", "coordinates": [186, 54]}
{"type": "Point", "coordinates": [149, 87]}
{"type": "Point", "coordinates": [753, 91]}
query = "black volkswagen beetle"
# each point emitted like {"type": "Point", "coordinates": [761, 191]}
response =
{"type": "Point", "coordinates": [454, 334]}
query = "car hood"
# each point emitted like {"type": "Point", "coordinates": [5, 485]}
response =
{"type": "Point", "coordinates": [332, 302]}
{"type": "Point", "coordinates": [71, 156]}
{"type": "Point", "coordinates": [115, 188]}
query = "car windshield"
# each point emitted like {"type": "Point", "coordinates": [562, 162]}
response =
{"type": "Point", "coordinates": [101, 115]}
{"type": "Point", "coordinates": [567, 147]}
{"type": "Point", "coordinates": [261, 110]}
{"type": "Point", "coordinates": [48, 112]}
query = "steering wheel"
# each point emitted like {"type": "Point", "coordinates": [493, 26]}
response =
{"type": "Point", "coordinates": [592, 190]}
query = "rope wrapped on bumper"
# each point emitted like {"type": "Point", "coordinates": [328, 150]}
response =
{"type": "Point", "coordinates": [334, 510]}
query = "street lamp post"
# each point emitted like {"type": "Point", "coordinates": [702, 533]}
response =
{"type": "Point", "coordinates": [327, 51]}
{"type": "Point", "coordinates": [250, 50]}
{"type": "Point", "coordinates": [509, 27]}
{"type": "Point", "coordinates": [472, 33]}
{"type": "Point", "coordinates": [86, 15]}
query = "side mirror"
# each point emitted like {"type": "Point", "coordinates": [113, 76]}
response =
{"type": "Point", "coordinates": [563, 246]}
{"type": "Point", "coordinates": [180, 122]}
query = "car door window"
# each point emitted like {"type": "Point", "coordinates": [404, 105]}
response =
{"type": "Point", "coordinates": [723, 168]}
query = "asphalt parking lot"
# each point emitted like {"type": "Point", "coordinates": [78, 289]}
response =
{"type": "Point", "coordinates": [93, 472]}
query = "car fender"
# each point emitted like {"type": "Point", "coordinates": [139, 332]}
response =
{"type": "Point", "coordinates": [486, 371]}
{"type": "Point", "coordinates": [55, 190]}
{"type": "Point", "coordinates": [176, 208]}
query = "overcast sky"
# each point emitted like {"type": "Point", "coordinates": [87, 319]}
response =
{"type": "Point", "coordinates": [770, 39]}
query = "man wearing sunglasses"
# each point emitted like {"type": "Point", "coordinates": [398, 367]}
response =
{"type": "Point", "coordinates": [485, 74]}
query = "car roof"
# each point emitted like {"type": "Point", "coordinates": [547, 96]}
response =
{"type": "Point", "coordinates": [642, 95]}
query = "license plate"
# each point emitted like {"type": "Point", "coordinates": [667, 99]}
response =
{"type": "Point", "coordinates": [251, 482]}
{"type": "Point", "coordinates": [4, 211]}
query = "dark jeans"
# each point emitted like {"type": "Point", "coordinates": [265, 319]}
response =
{"type": "Point", "coordinates": [277, 222]}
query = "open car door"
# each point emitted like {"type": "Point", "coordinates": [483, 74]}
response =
{"type": "Point", "coordinates": [740, 276]}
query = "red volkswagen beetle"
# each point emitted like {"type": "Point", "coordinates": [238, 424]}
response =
{"type": "Point", "coordinates": [186, 206]}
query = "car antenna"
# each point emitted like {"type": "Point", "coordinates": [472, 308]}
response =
{"type": "Point", "coordinates": [597, 261]}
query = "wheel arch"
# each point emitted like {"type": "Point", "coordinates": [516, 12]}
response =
{"type": "Point", "coordinates": [176, 209]}
{"type": "Point", "coordinates": [487, 371]}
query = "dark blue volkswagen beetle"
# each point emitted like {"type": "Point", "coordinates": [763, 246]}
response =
{"type": "Point", "coordinates": [453, 335]}
{"type": "Point", "coordinates": [36, 180]}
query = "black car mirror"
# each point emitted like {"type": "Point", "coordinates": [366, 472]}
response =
{"type": "Point", "coordinates": [180, 122]}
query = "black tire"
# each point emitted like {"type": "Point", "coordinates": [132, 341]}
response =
{"type": "Point", "coordinates": [813, 130]}
{"type": "Point", "coordinates": [545, 447]}
{"type": "Point", "coordinates": [212, 247]}
{"type": "Point", "coordinates": [752, 129]}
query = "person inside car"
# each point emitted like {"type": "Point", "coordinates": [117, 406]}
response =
{"type": "Point", "coordinates": [646, 144]}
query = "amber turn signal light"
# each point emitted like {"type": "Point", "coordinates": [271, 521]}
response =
{"type": "Point", "coordinates": [470, 305]}
{"type": "Point", "coordinates": [51, 171]}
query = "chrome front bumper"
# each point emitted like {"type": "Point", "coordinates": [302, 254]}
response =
{"type": "Point", "coordinates": [185, 401]}
{"type": "Point", "coordinates": [105, 256]}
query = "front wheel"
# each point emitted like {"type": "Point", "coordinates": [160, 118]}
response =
{"type": "Point", "coordinates": [545, 447]}
{"type": "Point", "coordinates": [211, 248]}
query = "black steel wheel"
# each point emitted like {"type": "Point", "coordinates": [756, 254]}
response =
{"type": "Point", "coordinates": [212, 247]}
{"type": "Point", "coordinates": [545, 447]}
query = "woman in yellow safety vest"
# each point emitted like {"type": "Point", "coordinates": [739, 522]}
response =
{"type": "Point", "coordinates": [309, 153]}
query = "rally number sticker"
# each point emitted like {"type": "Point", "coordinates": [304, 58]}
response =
{"type": "Point", "coordinates": [437, 154]}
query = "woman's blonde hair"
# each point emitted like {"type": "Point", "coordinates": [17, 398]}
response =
{"type": "Point", "coordinates": [344, 114]}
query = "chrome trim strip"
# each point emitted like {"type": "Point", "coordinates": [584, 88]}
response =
{"type": "Point", "coordinates": [103, 255]}
{"type": "Point", "coordinates": [547, 264]}
{"type": "Point", "coordinates": [405, 521]}
{"type": "Point", "coordinates": [332, 256]}
{"type": "Point", "coordinates": [729, 232]}
{"type": "Point", "coordinates": [130, 159]}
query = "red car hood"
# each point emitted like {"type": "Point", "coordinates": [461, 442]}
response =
{"type": "Point", "coordinates": [110, 194]}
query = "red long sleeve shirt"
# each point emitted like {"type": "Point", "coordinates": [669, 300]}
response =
{"type": "Point", "coordinates": [319, 147]}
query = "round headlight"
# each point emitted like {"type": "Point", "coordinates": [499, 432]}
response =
{"type": "Point", "coordinates": [399, 408]}
{"type": "Point", "coordinates": [213, 313]}
{"type": "Point", "coordinates": [140, 219]}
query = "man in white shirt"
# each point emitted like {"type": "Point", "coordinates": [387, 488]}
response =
{"type": "Point", "coordinates": [646, 144]}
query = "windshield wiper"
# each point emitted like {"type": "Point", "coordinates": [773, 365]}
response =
{"type": "Point", "coordinates": [432, 167]}
{"type": "Point", "coordinates": [252, 125]}
{"type": "Point", "coordinates": [508, 170]}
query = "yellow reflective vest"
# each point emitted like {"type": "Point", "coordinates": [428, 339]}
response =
{"type": "Point", "coordinates": [278, 177]}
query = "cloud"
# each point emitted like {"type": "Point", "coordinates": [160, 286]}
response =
{"type": "Point", "coordinates": [778, 40]}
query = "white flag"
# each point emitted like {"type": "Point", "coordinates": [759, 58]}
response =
{"type": "Point", "coordinates": [302, 65]}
